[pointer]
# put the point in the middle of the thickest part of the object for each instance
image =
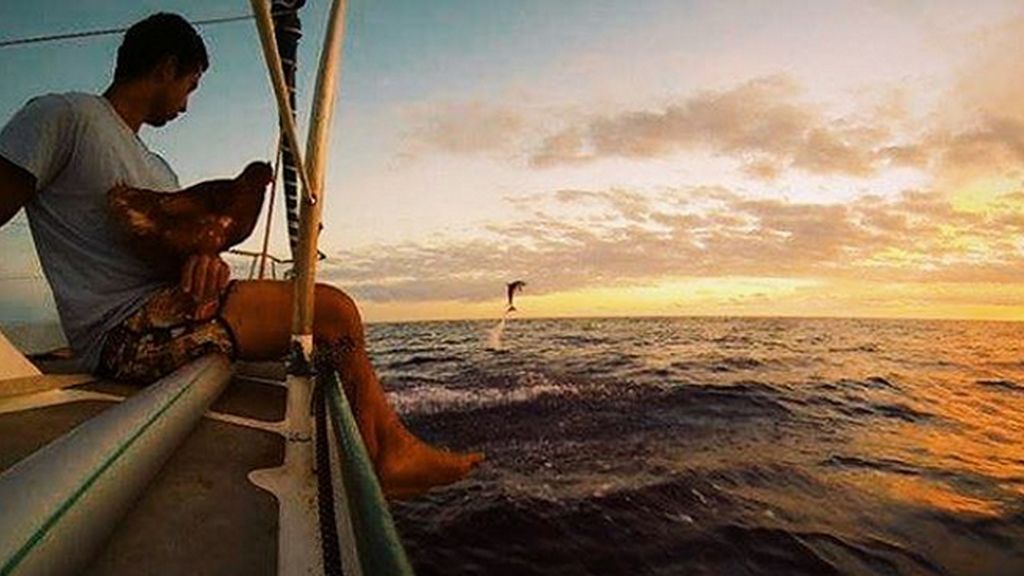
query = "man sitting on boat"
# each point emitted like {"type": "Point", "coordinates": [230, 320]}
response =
{"type": "Point", "coordinates": [138, 282]}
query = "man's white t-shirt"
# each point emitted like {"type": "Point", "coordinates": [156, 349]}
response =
{"type": "Point", "coordinates": [78, 147]}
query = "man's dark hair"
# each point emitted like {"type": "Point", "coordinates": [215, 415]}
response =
{"type": "Point", "coordinates": [149, 41]}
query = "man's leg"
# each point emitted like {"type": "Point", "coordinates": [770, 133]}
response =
{"type": "Point", "coordinates": [259, 313]}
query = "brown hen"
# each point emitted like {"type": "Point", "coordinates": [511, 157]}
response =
{"type": "Point", "coordinates": [207, 218]}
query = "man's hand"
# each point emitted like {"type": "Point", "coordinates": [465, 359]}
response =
{"type": "Point", "coordinates": [204, 276]}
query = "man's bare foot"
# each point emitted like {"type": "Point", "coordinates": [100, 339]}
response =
{"type": "Point", "coordinates": [408, 467]}
{"type": "Point", "coordinates": [405, 465]}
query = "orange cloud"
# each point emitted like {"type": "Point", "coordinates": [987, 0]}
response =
{"type": "Point", "coordinates": [978, 128]}
{"type": "Point", "coordinates": [619, 237]}
{"type": "Point", "coordinates": [762, 122]}
{"type": "Point", "coordinates": [467, 128]}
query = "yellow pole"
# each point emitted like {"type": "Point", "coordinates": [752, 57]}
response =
{"type": "Point", "coordinates": [292, 483]}
{"type": "Point", "coordinates": [265, 26]}
{"type": "Point", "coordinates": [316, 164]}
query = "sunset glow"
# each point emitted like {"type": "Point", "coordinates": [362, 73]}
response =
{"type": "Point", "coordinates": [708, 158]}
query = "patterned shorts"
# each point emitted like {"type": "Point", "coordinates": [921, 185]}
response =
{"type": "Point", "coordinates": [161, 337]}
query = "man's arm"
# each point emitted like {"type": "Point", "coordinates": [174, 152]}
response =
{"type": "Point", "coordinates": [17, 187]}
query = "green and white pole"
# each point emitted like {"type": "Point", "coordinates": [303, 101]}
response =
{"type": "Point", "coordinates": [294, 484]}
{"type": "Point", "coordinates": [58, 506]}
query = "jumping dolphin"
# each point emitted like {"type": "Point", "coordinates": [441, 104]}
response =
{"type": "Point", "coordinates": [512, 288]}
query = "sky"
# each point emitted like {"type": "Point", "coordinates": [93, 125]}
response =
{"type": "Point", "coordinates": [729, 157]}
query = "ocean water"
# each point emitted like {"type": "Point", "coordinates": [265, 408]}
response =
{"type": "Point", "coordinates": [716, 445]}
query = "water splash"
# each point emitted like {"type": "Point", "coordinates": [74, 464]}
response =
{"type": "Point", "coordinates": [523, 388]}
{"type": "Point", "coordinates": [495, 333]}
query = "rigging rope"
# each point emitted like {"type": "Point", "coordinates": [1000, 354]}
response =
{"type": "Point", "coordinates": [110, 31]}
{"type": "Point", "coordinates": [270, 209]}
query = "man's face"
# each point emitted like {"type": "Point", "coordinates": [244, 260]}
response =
{"type": "Point", "coordinates": [171, 96]}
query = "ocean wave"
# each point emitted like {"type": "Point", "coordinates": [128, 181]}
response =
{"type": "Point", "coordinates": [721, 446]}
{"type": "Point", "coordinates": [999, 532]}
{"type": "Point", "coordinates": [420, 360]}
{"type": "Point", "coordinates": [869, 383]}
{"type": "Point", "coordinates": [746, 398]}
{"type": "Point", "coordinates": [681, 525]}
{"type": "Point", "coordinates": [859, 408]}
{"type": "Point", "coordinates": [1006, 385]}
{"type": "Point", "coordinates": [580, 340]}
{"type": "Point", "coordinates": [861, 348]}
{"type": "Point", "coordinates": [728, 364]}
{"type": "Point", "coordinates": [880, 464]}
{"type": "Point", "coordinates": [764, 474]}
{"type": "Point", "coordinates": [433, 399]}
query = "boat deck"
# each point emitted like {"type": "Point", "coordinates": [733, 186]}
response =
{"type": "Point", "coordinates": [200, 515]}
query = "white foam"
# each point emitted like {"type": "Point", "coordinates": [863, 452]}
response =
{"type": "Point", "coordinates": [432, 399]}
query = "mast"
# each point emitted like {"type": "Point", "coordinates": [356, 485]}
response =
{"type": "Point", "coordinates": [316, 165]}
{"type": "Point", "coordinates": [293, 483]}
{"type": "Point", "coordinates": [287, 32]}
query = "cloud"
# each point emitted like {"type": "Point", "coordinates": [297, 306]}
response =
{"type": "Point", "coordinates": [467, 128]}
{"type": "Point", "coordinates": [906, 155]}
{"type": "Point", "coordinates": [995, 145]}
{"type": "Point", "coordinates": [990, 81]}
{"type": "Point", "coordinates": [978, 128]}
{"type": "Point", "coordinates": [762, 122]}
{"type": "Point", "coordinates": [565, 147]}
{"type": "Point", "coordinates": [770, 125]}
{"type": "Point", "coordinates": [578, 238]}
{"type": "Point", "coordinates": [700, 232]}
